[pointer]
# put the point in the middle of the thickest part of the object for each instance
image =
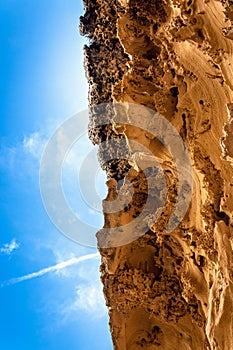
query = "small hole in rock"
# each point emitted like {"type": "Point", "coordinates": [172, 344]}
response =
{"type": "Point", "coordinates": [201, 261]}
{"type": "Point", "coordinates": [200, 34]}
{"type": "Point", "coordinates": [156, 329]}
{"type": "Point", "coordinates": [174, 91]}
{"type": "Point", "coordinates": [201, 102]}
{"type": "Point", "coordinates": [155, 27]}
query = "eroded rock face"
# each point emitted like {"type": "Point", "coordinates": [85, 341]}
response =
{"type": "Point", "coordinates": [166, 290]}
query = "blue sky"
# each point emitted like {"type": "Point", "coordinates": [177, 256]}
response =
{"type": "Point", "coordinates": [42, 83]}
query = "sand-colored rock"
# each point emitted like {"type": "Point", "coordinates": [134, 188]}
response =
{"type": "Point", "coordinates": [167, 290]}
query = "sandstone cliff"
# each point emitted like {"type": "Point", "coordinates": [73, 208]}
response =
{"type": "Point", "coordinates": [165, 289]}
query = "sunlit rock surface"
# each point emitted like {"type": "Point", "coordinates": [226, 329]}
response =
{"type": "Point", "coordinates": [167, 290]}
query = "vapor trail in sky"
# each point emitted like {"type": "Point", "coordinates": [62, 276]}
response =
{"type": "Point", "coordinates": [46, 270]}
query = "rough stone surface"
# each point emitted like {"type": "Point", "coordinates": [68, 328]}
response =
{"type": "Point", "coordinates": [167, 291]}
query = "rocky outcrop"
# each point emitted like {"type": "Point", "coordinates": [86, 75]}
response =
{"type": "Point", "coordinates": [165, 289]}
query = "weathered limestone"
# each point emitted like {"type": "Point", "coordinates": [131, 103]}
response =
{"type": "Point", "coordinates": [167, 291]}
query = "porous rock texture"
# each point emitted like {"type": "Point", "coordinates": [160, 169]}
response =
{"type": "Point", "coordinates": [167, 290]}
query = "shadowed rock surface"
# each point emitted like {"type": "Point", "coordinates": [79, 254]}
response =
{"type": "Point", "coordinates": [166, 290]}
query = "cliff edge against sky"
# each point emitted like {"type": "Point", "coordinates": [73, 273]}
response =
{"type": "Point", "coordinates": [166, 290]}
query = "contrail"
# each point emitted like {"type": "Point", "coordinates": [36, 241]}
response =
{"type": "Point", "coordinates": [56, 267]}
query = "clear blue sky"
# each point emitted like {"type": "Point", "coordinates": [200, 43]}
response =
{"type": "Point", "coordinates": [42, 83]}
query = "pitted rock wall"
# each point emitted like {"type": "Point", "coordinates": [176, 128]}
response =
{"type": "Point", "coordinates": [167, 291]}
